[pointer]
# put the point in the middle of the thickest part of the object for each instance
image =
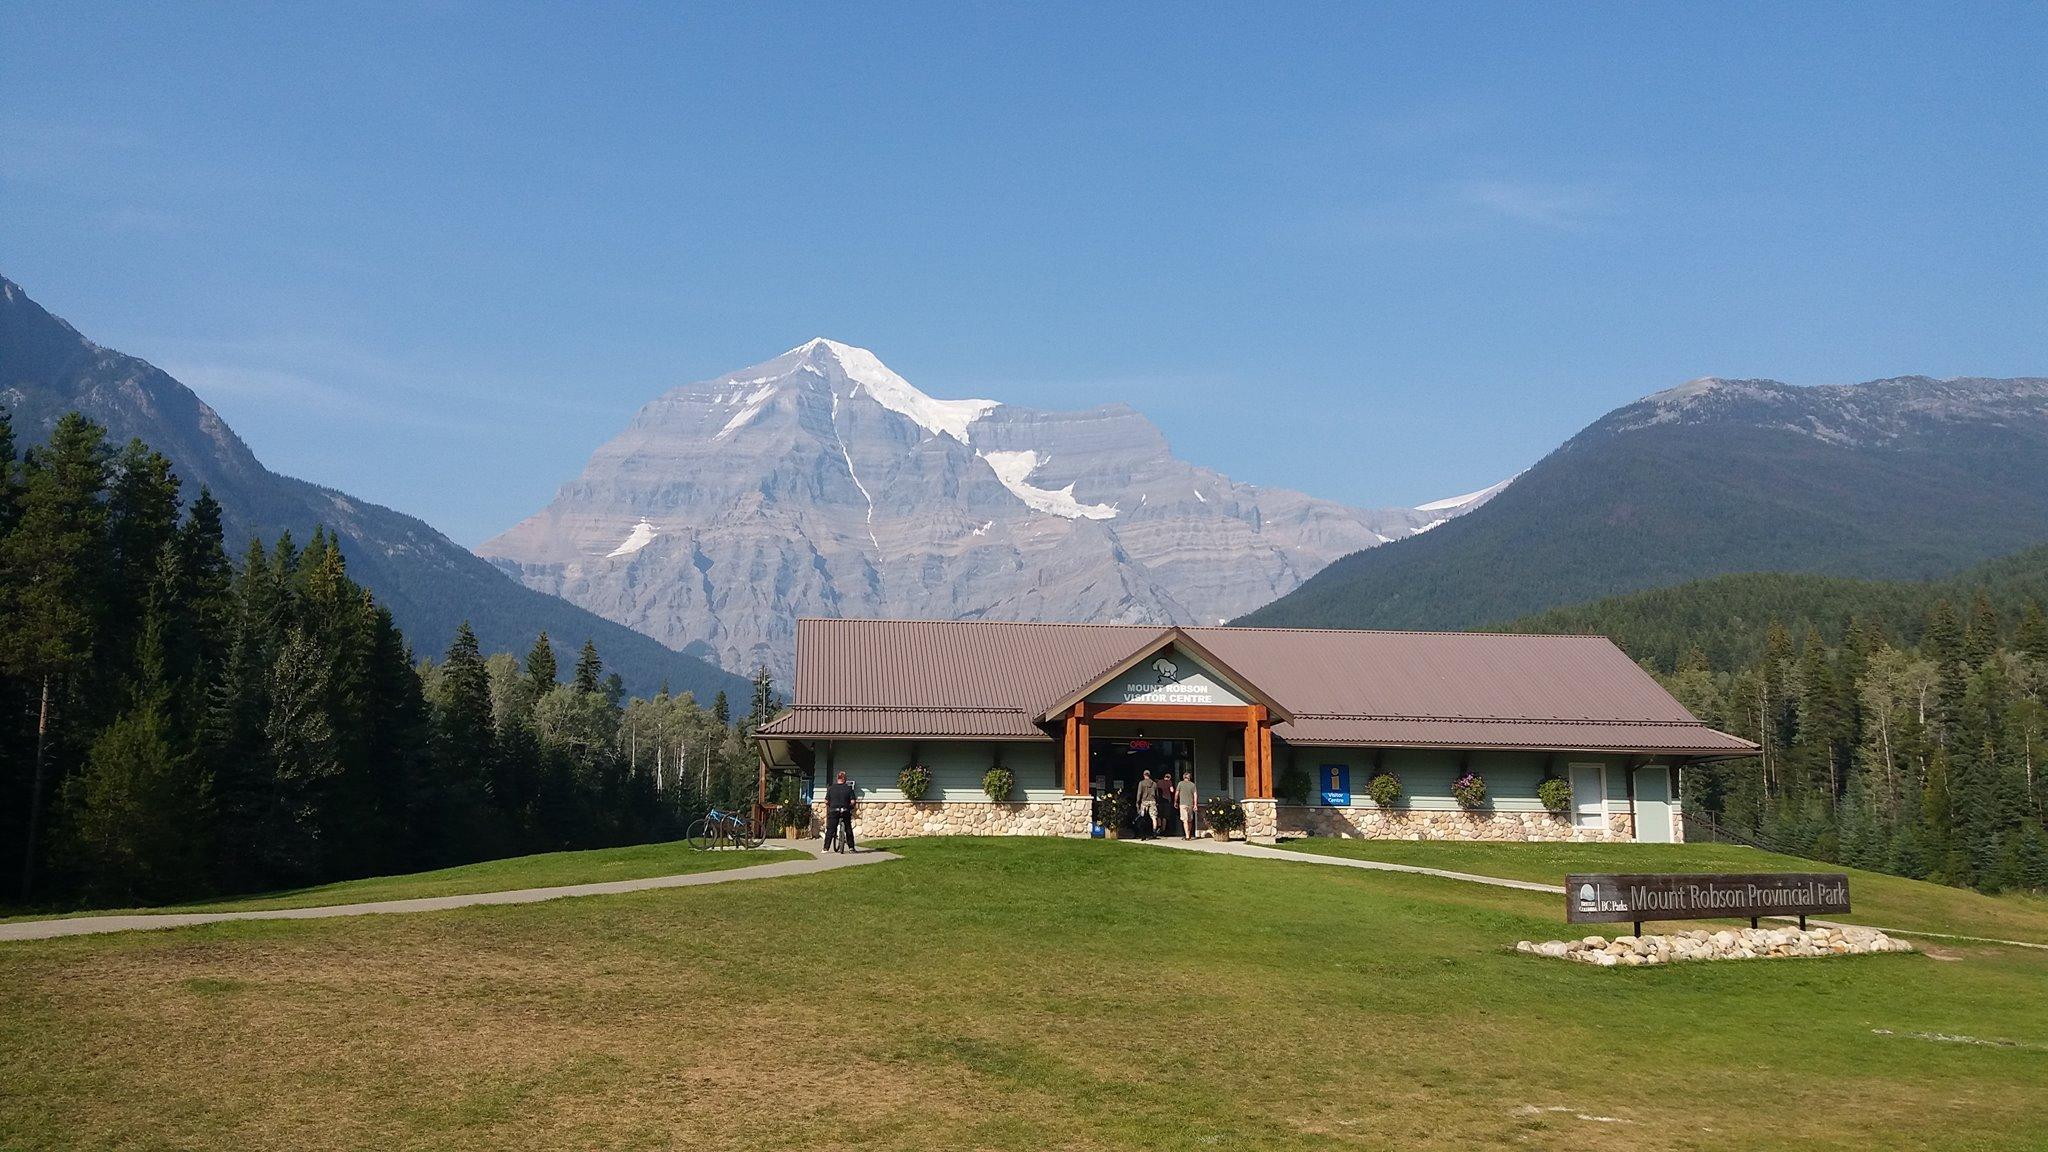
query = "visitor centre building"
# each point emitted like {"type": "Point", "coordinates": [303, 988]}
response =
{"type": "Point", "coordinates": [1296, 723]}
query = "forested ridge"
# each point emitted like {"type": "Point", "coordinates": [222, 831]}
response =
{"type": "Point", "coordinates": [1726, 617]}
{"type": "Point", "coordinates": [174, 724]}
{"type": "Point", "coordinates": [1914, 749]}
{"type": "Point", "coordinates": [1890, 480]}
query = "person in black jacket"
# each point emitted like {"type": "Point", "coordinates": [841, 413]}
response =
{"type": "Point", "coordinates": [839, 815]}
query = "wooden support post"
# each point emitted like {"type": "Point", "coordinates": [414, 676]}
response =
{"type": "Point", "coordinates": [1083, 750]}
{"type": "Point", "coordinates": [1266, 747]}
{"type": "Point", "coordinates": [1258, 754]}
{"type": "Point", "coordinates": [1067, 755]}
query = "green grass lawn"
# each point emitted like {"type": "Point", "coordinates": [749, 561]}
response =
{"type": "Point", "coordinates": [1886, 901]}
{"type": "Point", "coordinates": [545, 870]}
{"type": "Point", "coordinates": [1019, 994]}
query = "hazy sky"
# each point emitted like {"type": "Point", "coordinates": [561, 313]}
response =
{"type": "Point", "coordinates": [434, 254]}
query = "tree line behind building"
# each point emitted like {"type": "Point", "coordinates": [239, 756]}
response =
{"type": "Point", "coordinates": [1903, 725]}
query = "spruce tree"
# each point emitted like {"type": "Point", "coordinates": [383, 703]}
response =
{"type": "Point", "coordinates": [589, 670]}
{"type": "Point", "coordinates": [142, 522]}
{"type": "Point", "coordinates": [304, 760]}
{"type": "Point", "coordinates": [541, 673]}
{"type": "Point", "coordinates": [205, 593]}
{"type": "Point", "coordinates": [399, 738]}
{"type": "Point", "coordinates": [1980, 635]}
{"type": "Point", "coordinates": [762, 708]}
{"type": "Point", "coordinates": [465, 750]}
{"type": "Point", "coordinates": [53, 567]}
{"type": "Point", "coordinates": [232, 747]}
{"type": "Point", "coordinates": [2033, 635]}
{"type": "Point", "coordinates": [135, 814]}
{"type": "Point", "coordinates": [138, 814]}
{"type": "Point", "coordinates": [10, 478]}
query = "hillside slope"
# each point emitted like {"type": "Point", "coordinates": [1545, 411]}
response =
{"type": "Point", "coordinates": [1905, 478]}
{"type": "Point", "coordinates": [1726, 617]}
{"type": "Point", "coordinates": [430, 583]}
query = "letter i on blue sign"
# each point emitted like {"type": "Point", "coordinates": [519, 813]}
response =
{"type": "Point", "coordinates": [1336, 785]}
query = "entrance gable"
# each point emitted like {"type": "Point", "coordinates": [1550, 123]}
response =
{"type": "Point", "coordinates": [1171, 675]}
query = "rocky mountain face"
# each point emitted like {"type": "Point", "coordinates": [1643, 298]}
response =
{"type": "Point", "coordinates": [821, 483]}
{"type": "Point", "coordinates": [1907, 478]}
{"type": "Point", "coordinates": [430, 583]}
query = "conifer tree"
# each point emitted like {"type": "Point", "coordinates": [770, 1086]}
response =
{"type": "Point", "coordinates": [10, 479]}
{"type": "Point", "coordinates": [589, 670]}
{"type": "Point", "coordinates": [541, 673]}
{"type": "Point", "coordinates": [304, 760]}
{"type": "Point", "coordinates": [137, 815]}
{"type": "Point", "coordinates": [233, 749]}
{"type": "Point", "coordinates": [763, 706]}
{"type": "Point", "coordinates": [1980, 635]}
{"type": "Point", "coordinates": [53, 565]}
{"type": "Point", "coordinates": [142, 521]}
{"type": "Point", "coordinates": [465, 750]}
{"type": "Point", "coordinates": [2033, 634]}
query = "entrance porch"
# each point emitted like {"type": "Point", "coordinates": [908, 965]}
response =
{"type": "Point", "coordinates": [1229, 748]}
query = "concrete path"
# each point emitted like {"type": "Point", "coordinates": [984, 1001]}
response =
{"type": "Point", "coordinates": [1262, 852]}
{"type": "Point", "coordinates": [820, 861]}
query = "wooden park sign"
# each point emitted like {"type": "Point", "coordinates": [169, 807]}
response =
{"type": "Point", "coordinates": [1612, 897]}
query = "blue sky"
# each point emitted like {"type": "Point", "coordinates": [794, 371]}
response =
{"type": "Point", "coordinates": [434, 254]}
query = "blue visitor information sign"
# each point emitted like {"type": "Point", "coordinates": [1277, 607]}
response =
{"type": "Point", "coordinates": [1336, 785]}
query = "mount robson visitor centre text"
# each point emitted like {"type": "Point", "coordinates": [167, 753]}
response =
{"type": "Point", "coordinates": [1294, 722]}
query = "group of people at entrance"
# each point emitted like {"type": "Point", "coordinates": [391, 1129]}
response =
{"type": "Point", "coordinates": [1165, 806]}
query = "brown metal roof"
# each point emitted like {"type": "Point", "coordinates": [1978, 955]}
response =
{"type": "Point", "coordinates": [1663, 739]}
{"type": "Point", "coordinates": [804, 721]}
{"type": "Point", "coordinates": [990, 679]}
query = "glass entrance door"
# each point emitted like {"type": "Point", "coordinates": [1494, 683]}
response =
{"type": "Point", "coordinates": [1120, 763]}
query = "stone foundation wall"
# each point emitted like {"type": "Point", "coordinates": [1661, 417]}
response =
{"type": "Point", "coordinates": [1261, 821]}
{"type": "Point", "coordinates": [885, 819]}
{"type": "Point", "coordinates": [1264, 821]}
{"type": "Point", "coordinates": [1432, 824]}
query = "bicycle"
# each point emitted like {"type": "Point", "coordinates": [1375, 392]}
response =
{"type": "Point", "coordinates": [724, 830]}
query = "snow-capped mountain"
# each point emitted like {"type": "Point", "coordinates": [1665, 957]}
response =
{"type": "Point", "coordinates": [823, 483]}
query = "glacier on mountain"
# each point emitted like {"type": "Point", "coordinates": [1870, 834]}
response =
{"type": "Point", "coordinates": [1014, 469]}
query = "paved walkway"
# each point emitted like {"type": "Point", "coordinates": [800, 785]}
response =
{"type": "Point", "coordinates": [820, 861]}
{"type": "Point", "coordinates": [1262, 852]}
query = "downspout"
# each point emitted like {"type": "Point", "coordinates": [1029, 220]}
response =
{"type": "Point", "coordinates": [1628, 779]}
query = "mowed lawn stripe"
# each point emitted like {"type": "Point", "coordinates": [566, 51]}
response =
{"type": "Point", "coordinates": [1002, 994]}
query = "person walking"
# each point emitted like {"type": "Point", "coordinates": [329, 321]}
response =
{"type": "Point", "coordinates": [1166, 807]}
{"type": "Point", "coordinates": [1148, 805]}
{"type": "Point", "coordinates": [1185, 797]}
{"type": "Point", "coordinates": [839, 815]}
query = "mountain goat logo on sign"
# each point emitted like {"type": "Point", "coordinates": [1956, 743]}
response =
{"type": "Point", "coordinates": [1167, 669]}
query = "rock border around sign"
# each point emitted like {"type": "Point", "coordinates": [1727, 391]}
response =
{"type": "Point", "coordinates": [1726, 944]}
